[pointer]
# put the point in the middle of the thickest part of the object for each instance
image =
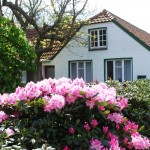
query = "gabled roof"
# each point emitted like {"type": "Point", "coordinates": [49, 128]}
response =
{"type": "Point", "coordinates": [105, 16]}
{"type": "Point", "coordinates": [141, 36]}
{"type": "Point", "coordinates": [32, 35]}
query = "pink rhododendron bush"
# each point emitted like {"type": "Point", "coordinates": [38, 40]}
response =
{"type": "Point", "coordinates": [67, 114]}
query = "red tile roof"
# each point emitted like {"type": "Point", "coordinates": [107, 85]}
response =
{"type": "Point", "coordinates": [105, 16]}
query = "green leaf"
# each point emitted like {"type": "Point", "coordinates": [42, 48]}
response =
{"type": "Point", "coordinates": [82, 93]}
{"type": "Point", "coordinates": [101, 103]}
{"type": "Point", "coordinates": [141, 128]}
{"type": "Point", "coordinates": [124, 119]}
{"type": "Point", "coordinates": [106, 112]}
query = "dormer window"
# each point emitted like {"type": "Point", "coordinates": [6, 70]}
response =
{"type": "Point", "coordinates": [98, 38]}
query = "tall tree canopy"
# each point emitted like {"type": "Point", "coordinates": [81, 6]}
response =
{"type": "Point", "coordinates": [55, 21]}
{"type": "Point", "coordinates": [15, 55]}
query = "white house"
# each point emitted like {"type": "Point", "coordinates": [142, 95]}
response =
{"type": "Point", "coordinates": [116, 49]}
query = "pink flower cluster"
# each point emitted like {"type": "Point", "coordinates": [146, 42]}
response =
{"type": "Point", "coordinates": [139, 142]}
{"type": "Point", "coordinates": [71, 130]}
{"type": "Point", "coordinates": [130, 127]}
{"type": "Point", "coordinates": [70, 89]}
{"type": "Point", "coordinates": [87, 127]}
{"type": "Point", "coordinates": [94, 123]}
{"type": "Point", "coordinates": [116, 117]}
{"type": "Point", "coordinates": [54, 102]}
{"type": "Point", "coordinates": [3, 116]}
{"type": "Point", "coordinates": [96, 145]}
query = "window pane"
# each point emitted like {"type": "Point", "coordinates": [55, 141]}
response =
{"type": "Point", "coordinates": [104, 43]}
{"type": "Point", "coordinates": [118, 74]}
{"type": "Point", "coordinates": [73, 71]}
{"type": "Point", "coordinates": [100, 38]}
{"type": "Point", "coordinates": [96, 44]}
{"type": "Point", "coordinates": [118, 63]}
{"type": "Point", "coordinates": [127, 70]}
{"type": "Point", "coordinates": [81, 73]}
{"type": "Point", "coordinates": [101, 43]}
{"type": "Point", "coordinates": [88, 72]}
{"type": "Point", "coordinates": [104, 31]}
{"type": "Point", "coordinates": [94, 38]}
{"type": "Point", "coordinates": [100, 32]}
{"type": "Point", "coordinates": [110, 70]}
{"type": "Point", "coordinates": [81, 65]}
{"type": "Point", "coordinates": [104, 37]}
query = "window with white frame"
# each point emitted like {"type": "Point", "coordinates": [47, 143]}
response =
{"type": "Point", "coordinates": [118, 69]}
{"type": "Point", "coordinates": [98, 38]}
{"type": "Point", "coordinates": [81, 69]}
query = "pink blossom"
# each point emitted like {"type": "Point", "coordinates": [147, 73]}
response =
{"type": "Point", "coordinates": [96, 145]}
{"type": "Point", "coordinates": [116, 117]}
{"type": "Point", "coordinates": [79, 82]}
{"type": "Point", "coordinates": [94, 123]}
{"type": "Point", "coordinates": [63, 88]}
{"type": "Point", "coordinates": [125, 140]}
{"type": "Point", "coordinates": [114, 144]}
{"type": "Point", "coordinates": [109, 135]}
{"type": "Point", "coordinates": [140, 142]}
{"type": "Point", "coordinates": [8, 99]}
{"type": "Point", "coordinates": [130, 145]}
{"type": "Point", "coordinates": [87, 127]}
{"type": "Point", "coordinates": [122, 102]}
{"type": "Point", "coordinates": [66, 148]}
{"type": "Point", "coordinates": [105, 130]}
{"type": "Point", "coordinates": [90, 103]}
{"type": "Point", "coordinates": [130, 127]}
{"type": "Point", "coordinates": [70, 99]}
{"type": "Point", "coordinates": [71, 130]}
{"type": "Point", "coordinates": [101, 108]}
{"type": "Point", "coordinates": [9, 132]}
{"type": "Point", "coordinates": [54, 102]}
{"type": "Point", "coordinates": [3, 116]}
{"type": "Point", "coordinates": [117, 126]}
{"type": "Point", "coordinates": [45, 86]}
{"type": "Point", "coordinates": [75, 90]}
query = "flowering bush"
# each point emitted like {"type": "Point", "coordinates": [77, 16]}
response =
{"type": "Point", "coordinates": [138, 94]}
{"type": "Point", "coordinates": [68, 115]}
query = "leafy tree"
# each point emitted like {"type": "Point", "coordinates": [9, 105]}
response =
{"type": "Point", "coordinates": [15, 55]}
{"type": "Point", "coordinates": [55, 21]}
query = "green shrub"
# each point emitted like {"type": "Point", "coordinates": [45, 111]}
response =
{"type": "Point", "coordinates": [138, 94]}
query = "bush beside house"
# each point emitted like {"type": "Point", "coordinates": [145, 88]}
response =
{"type": "Point", "coordinates": [66, 114]}
{"type": "Point", "coordinates": [138, 94]}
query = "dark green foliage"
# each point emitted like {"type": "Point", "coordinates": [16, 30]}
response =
{"type": "Point", "coordinates": [34, 127]}
{"type": "Point", "coordinates": [138, 94]}
{"type": "Point", "coordinates": [15, 55]}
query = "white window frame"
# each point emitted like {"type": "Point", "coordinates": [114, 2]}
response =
{"type": "Point", "coordinates": [98, 38]}
{"type": "Point", "coordinates": [114, 67]}
{"type": "Point", "coordinates": [77, 69]}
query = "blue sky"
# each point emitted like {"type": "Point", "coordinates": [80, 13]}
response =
{"type": "Point", "coordinates": [136, 12]}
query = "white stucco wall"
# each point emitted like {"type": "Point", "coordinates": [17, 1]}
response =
{"type": "Point", "coordinates": [120, 45]}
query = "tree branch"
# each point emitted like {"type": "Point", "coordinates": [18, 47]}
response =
{"type": "Point", "coordinates": [22, 12]}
